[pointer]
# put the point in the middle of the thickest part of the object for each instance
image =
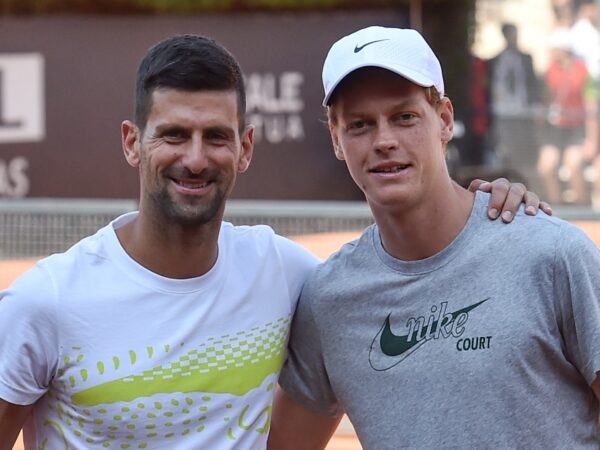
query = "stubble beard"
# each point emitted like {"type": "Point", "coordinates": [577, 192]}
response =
{"type": "Point", "coordinates": [190, 215]}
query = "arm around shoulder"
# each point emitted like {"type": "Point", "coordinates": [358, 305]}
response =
{"type": "Point", "coordinates": [12, 418]}
{"type": "Point", "coordinates": [294, 427]}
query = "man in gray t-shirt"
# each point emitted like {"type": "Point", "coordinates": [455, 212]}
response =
{"type": "Point", "coordinates": [437, 328]}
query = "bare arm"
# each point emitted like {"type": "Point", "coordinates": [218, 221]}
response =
{"type": "Point", "coordinates": [507, 197]}
{"type": "Point", "coordinates": [12, 418]}
{"type": "Point", "coordinates": [293, 427]}
{"type": "Point", "coordinates": [596, 386]}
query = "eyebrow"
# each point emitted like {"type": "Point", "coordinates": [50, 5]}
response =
{"type": "Point", "coordinates": [227, 130]}
{"type": "Point", "coordinates": [169, 127]}
{"type": "Point", "coordinates": [161, 128]}
{"type": "Point", "coordinates": [409, 102]}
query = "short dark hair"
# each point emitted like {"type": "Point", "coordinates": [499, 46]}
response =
{"type": "Point", "coordinates": [188, 62]}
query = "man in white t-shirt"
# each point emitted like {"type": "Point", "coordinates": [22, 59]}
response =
{"type": "Point", "coordinates": [168, 327]}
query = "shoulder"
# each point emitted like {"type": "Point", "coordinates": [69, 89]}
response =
{"type": "Point", "coordinates": [88, 253]}
{"type": "Point", "coordinates": [525, 55]}
{"type": "Point", "coordinates": [353, 257]}
{"type": "Point", "coordinates": [527, 58]}
{"type": "Point", "coordinates": [233, 232]}
{"type": "Point", "coordinates": [254, 236]}
{"type": "Point", "coordinates": [261, 241]}
{"type": "Point", "coordinates": [545, 223]}
{"type": "Point", "coordinates": [548, 236]}
{"type": "Point", "coordinates": [250, 237]}
{"type": "Point", "coordinates": [537, 235]}
{"type": "Point", "coordinates": [572, 240]}
{"type": "Point", "coordinates": [41, 286]}
{"type": "Point", "coordinates": [34, 293]}
{"type": "Point", "coordinates": [539, 227]}
{"type": "Point", "coordinates": [540, 240]}
{"type": "Point", "coordinates": [497, 57]}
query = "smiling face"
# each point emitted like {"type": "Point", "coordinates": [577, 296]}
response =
{"type": "Point", "coordinates": [188, 155]}
{"type": "Point", "coordinates": [390, 136]}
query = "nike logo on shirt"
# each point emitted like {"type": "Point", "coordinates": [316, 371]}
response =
{"type": "Point", "coordinates": [388, 349]}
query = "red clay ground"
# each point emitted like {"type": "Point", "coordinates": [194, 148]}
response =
{"type": "Point", "coordinates": [322, 245]}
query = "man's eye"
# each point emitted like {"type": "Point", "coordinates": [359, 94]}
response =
{"type": "Point", "coordinates": [216, 136]}
{"type": "Point", "coordinates": [405, 117]}
{"type": "Point", "coordinates": [357, 125]}
{"type": "Point", "coordinates": [174, 135]}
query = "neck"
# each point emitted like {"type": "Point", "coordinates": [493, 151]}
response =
{"type": "Point", "coordinates": [172, 251]}
{"type": "Point", "coordinates": [427, 228]}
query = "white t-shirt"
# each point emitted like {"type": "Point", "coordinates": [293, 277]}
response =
{"type": "Point", "coordinates": [586, 45]}
{"type": "Point", "coordinates": [117, 356]}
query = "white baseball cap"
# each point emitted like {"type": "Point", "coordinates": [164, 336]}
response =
{"type": "Point", "coordinates": [403, 51]}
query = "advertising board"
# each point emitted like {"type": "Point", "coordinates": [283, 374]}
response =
{"type": "Point", "coordinates": [67, 82]}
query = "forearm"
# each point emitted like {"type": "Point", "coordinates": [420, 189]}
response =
{"type": "Point", "coordinates": [596, 386]}
{"type": "Point", "coordinates": [294, 427]}
{"type": "Point", "coordinates": [12, 418]}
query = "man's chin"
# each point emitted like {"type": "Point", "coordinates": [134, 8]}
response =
{"type": "Point", "coordinates": [198, 215]}
{"type": "Point", "coordinates": [190, 212]}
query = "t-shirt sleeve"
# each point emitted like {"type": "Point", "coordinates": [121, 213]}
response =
{"type": "Point", "coordinates": [577, 285]}
{"type": "Point", "coordinates": [304, 374]}
{"type": "Point", "coordinates": [28, 338]}
{"type": "Point", "coordinates": [298, 263]}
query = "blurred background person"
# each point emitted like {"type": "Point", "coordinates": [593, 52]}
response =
{"type": "Point", "coordinates": [570, 131]}
{"type": "Point", "coordinates": [586, 38]}
{"type": "Point", "coordinates": [586, 45]}
{"type": "Point", "coordinates": [514, 99]}
{"type": "Point", "coordinates": [469, 150]}
{"type": "Point", "coordinates": [564, 12]}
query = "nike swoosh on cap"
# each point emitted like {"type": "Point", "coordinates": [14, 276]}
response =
{"type": "Point", "coordinates": [388, 350]}
{"type": "Point", "coordinates": [358, 48]}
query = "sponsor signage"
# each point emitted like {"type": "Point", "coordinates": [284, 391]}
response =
{"type": "Point", "coordinates": [66, 83]}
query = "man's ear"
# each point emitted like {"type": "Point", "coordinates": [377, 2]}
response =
{"type": "Point", "coordinates": [337, 150]}
{"type": "Point", "coordinates": [130, 142]}
{"type": "Point", "coordinates": [446, 111]}
{"type": "Point", "coordinates": [247, 149]}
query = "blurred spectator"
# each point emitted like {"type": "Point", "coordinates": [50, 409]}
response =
{"type": "Point", "coordinates": [515, 98]}
{"type": "Point", "coordinates": [473, 118]}
{"type": "Point", "coordinates": [571, 130]}
{"type": "Point", "coordinates": [586, 44]}
{"type": "Point", "coordinates": [563, 12]}
{"type": "Point", "coordinates": [585, 36]}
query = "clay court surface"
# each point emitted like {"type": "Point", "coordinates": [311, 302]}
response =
{"type": "Point", "coordinates": [320, 244]}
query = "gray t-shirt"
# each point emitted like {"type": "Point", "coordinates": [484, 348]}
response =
{"type": "Point", "coordinates": [491, 343]}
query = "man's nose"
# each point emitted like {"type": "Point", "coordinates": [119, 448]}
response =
{"type": "Point", "coordinates": [385, 138]}
{"type": "Point", "coordinates": [195, 159]}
